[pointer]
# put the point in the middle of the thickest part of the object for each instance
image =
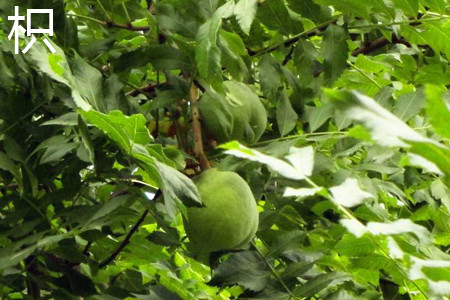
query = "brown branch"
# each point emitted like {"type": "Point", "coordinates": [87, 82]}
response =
{"type": "Point", "coordinates": [125, 242]}
{"type": "Point", "coordinates": [197, 128]}
{"type": "Point", "coordinates": [288, 56]}
{"type": "Point", "coordinates": [148, 90]}
{"type": "Point", "coordinates": [127, 239]}
{"type": "Point", "coordinates": [112, 24]}
{"type": "Point", "coordinates": [128, 26]}
{"type": "Point", "coordinates": [33, 289]}
{"type": "Point", "coordinates": [86, 249]}
{"type": "Point", "coordinates": [379, 43]}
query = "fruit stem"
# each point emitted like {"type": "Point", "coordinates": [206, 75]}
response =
{"type": "Point", "coordinates": [197, 128]}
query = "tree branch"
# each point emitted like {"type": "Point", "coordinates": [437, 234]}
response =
{"type": "Point", "coordinates": [148, 90]}
{"type": "Point", "coordinates": [127, 239]}
{"type": "Point", "coordinates": [33, 289]}
{"type": "Point", "coordinates": [290, 41]}
{"type": "Point", "coordinates": [112, 24]}
{"type": "Point", "coordinates": [288, 56]}
{"type": "Point", "coordinates": [379, 43]}
{"type": "Point", "coordinates": [197, 128]}
{"type": "Point", "coordinates": [125, 242]}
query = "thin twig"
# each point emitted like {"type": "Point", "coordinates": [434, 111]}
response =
{"type": "Point", "coordinates": [127, 239]}
{"type": "Point", "coordinates": [32, 268]}
{"type": "Point", "coordinates": [365, 75]}
{"type": "Point", "coordinates": [23, 117]}
{"type": "Point", "coordinates": [407, 22]}
{"type": "Point", "coordinates": [296, 38]}
{"type": "Point", "coordinates": [288, 56]}
{"type": "Point", "coordinates": [112, 24]}
{"type": "Point", "coordinates": [274, 272]}
{"type": "Point", "coordinates": [125, 242]}
{"type": "Point", "coordinates": [379, 43]}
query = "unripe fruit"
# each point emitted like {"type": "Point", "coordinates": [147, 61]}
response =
{"type": "Point", "coordinates": [239, 115]}
{"type": "Point", "coordinates": [229, 218]}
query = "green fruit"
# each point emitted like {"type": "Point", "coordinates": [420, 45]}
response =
{"type": "Point", "coordinates": [239, 115]}
{"type": "Point", "coordinates": [229, 218]}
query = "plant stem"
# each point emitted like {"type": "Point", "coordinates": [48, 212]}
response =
{"type": "Point", "coordinates": [274, 272]}
{"type": "Point", "coordinates": [111, 24]}
{"type": "Point", "coordinates": [295, 38]}
{"type": "Point", "coordinates": [407, 22]}
{"type": "Point", "coordinates": [104, 10]}
{"type": "Point", "coordinates": [125, 242]}
{"type": "Point", "coordinates": [364, 74]}
{"type": "Point", "coordinates": [126, 12]}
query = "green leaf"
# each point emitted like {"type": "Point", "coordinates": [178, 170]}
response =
{"type": "Point", "coordinates": [245, 268]}
{"type": "Point", "coordinates": [57, 67]}
{"type": "Point", "coordinates": [352, 246]}
{"type": "Point", "coordinates": [310, 10]}
{"type": "Point", "coordinates": [349, 194]}
{"type": "Point", "coordinates": [409, 7]}
{"type": "Point", "coordinates": [207, 53]}
{"type": "Point", "coordinates": [355, 7]}
{"type": "Point", "coordinates": [317, 116]}
{"type": "Point", "coordinates": [385, 128]}
{"type": "Point", "coordinates": [438, 110]}
{"type": "Point", "coordinates": [319, 283]}
{"type": "Point", "coordinates": [269, 76]}
{"type": "Point", "coordinates": [123, 130]}
{"type": "Point", "coordinates": [335, 53]}
{"type": "Point", "coordinates": [409, 105]}
{"type": "Point", "coordinates": [169, 18]}
{"type": "Point", "coordinates": [88, 82]}
{"type": "Point", "coordinates": [286, 115]}
{"type": "Point", "coordinates": [177, 187]}
{"type": "Point", "coordinates": [165, 57]}
{"type": "Point", "coordinates": [437, 36]}
{"type": "Point", "coordinates": [245, 11]}
{"type": "Point", "coordinates": [298, 168]}
{"type": "Point", "coordinates": [274, 14]}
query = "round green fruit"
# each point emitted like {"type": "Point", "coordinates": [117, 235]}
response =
{"type": "Point", "coordinates": [237, 115]}
{"type": "Point", "coordinates": [229, 218]}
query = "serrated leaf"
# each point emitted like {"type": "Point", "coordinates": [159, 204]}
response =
{"type": "Point", "coordinates": [88, 82]}
{"type": "Point", "coordinates": [269, 76]}
{"type": "Point", "coordinates": [385, 128]}
{"type": "Point", "coordinates": [349, 194]}
{"type": "Point", "coordinates": [283, 168]}
{"type": "Point", "coordinates": [301, 192]}
{"type": "Point", "coordinates": [409, 105]}
{"type": "Point", "coordinates": [286, 115]}
{"type": "Point", "coordinates": [335, 53]}
{"type": "Point", "coordinates": [319, 283]}
{"type": "Point", "coordinates": [207, 52]}
{"type": "Point", "coordinates": [245, 11]}
{"type": "Point", "coordinates": [317, 116]}
{"type": "Point", "coordinates": [274, 14]}
{"type": "Point", "coordinates": [245, 268]}
{"type": "Point", "coordinates": [438, 111]}
{"type": "Point", "coordinates": [409, 7]}
{"type": "Point", "coordinates": [310, 10]}
{"type": "Point", "coordinates": [123, 130]}
{"type": "Point", "coordinates": [351, 246]}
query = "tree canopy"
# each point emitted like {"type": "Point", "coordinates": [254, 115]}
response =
{"type": "Point", "coordinates": [335, 112]}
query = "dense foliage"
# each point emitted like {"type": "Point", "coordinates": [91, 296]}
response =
{"type": "Point", "coordinates": [99, 142]}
